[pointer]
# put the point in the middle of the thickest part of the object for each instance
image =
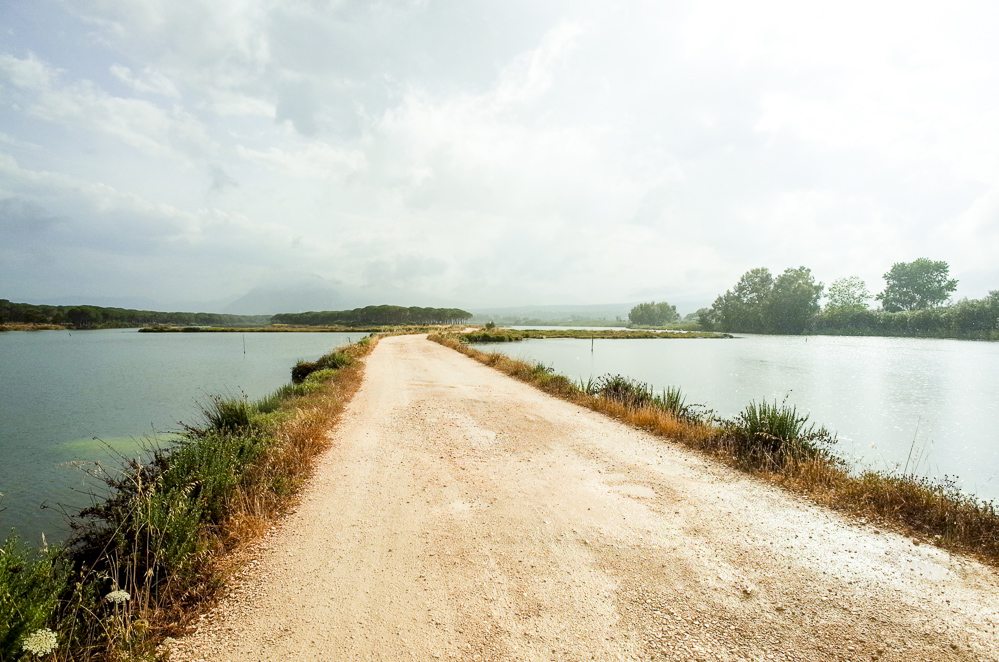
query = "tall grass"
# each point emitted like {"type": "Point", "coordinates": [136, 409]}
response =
{"type": "Point", "coordinates": [772, 435]}
{"type": "Point", "coordinates": [141, 560]}
{"type": "Point", "coordinates": [779, 444]}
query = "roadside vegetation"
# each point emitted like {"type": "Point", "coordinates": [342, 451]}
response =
{"type": "Point", "coordinates": [144, 558]}
{"type": "Point", "coordinates": [775, 442]}
{"type": "Point", "coordinates": [513, 335]}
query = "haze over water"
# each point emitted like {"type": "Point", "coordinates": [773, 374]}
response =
{"type": "Point", "coordinates": [884, 397]}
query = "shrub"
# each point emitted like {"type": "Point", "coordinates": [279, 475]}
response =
{"type": "Point", "coordinates": [331, 361]}
{"type": "Point", "coordinates": [320, 376]}
{"type": "Point", "coordinates": [301, 370]}
{"type": "Point", "coordinates": [629, 392]}
{"type": "Point", "coordinates": [224, 414]}
{"type": "Point", "coordinates": [773, 434]}
{"type": "Point", "coordinates": [30, 585]}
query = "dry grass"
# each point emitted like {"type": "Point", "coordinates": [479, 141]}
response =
{"type": "Point", "coordinates": [934, 511]}
{"type": "Point", "coordinates": [272, 484]}
{"type": "Point", "coordinates": [31, 326]}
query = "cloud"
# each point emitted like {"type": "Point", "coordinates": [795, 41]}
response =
{"type": "Point", "coordinates": [517, 153]}
{"type": "Point", "coordinates": [148, 82]}
{"type": "Point", "coordinates": [28, 73]}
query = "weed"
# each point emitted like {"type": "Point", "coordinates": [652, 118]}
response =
{"type": "Point", "coordinates": [773, 434]}
{"type": "Point", "coordinates": [223, 414]}
{"type": "Point", "coordinates": [32, 582]}
{"type": "Point", "coordinates": [628, 392]}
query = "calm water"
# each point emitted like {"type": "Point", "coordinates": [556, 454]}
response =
{"type": "Point", "coordinates": [67, 397]}
{"type": "Point", "coordinates": [883, 396]}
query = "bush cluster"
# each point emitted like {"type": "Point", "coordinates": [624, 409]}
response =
{"type": "Point", "coordinates": [331, 361]}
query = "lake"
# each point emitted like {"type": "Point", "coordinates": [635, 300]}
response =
{"type": "Point", "coordinates": [68, 399]}
{"type": "Point", "coordinates": [916, 405]}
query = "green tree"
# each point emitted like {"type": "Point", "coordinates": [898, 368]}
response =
{"type": "Point", "coordinates": [759, 303]}
{"type": "Point", "coordinates": [917, 285]}
{"type": "Point", "coordinates": [744, 307]}
{"type": "Point", "coordinates": [80, 317]}
{"type": "Point", "coordinates": [848, 293]}
{"type": "Point", "coordinates": [794, 301]}
{"type": "Point", "coordinates": [706, 318]}
{"type": "Point", "coordinates": [653, 314]}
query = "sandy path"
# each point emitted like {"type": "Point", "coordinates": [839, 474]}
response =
{"type": "Point", "coordinates": [464, 515]}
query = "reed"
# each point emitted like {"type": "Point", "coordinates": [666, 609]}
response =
{"type": "Point", "coordinates": [773, 435]}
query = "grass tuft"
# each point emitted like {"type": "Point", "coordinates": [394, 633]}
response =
{"type": "Point", "coordinates": [772, 435]}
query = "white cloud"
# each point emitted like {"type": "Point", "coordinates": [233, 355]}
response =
{"type": "Point", "coordinates": [28, 73]}
{"type": "Point", "coordinates": [534, 152]}
{"type": "Point", "coordinates": [147, 82]}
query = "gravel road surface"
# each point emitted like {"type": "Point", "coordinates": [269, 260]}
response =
{"type": "Point", "coordinates": [461, 514]}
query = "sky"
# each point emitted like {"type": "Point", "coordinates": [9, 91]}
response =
{"type": "Point", "coordinates": [213, 154]}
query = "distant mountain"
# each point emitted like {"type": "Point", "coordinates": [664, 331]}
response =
{"type": "Point", "coordinates": [272, 300]}
{"type": "Point", "coordinates": [299, 294]}
{"type": "Point", "coordinates": [555, 313]}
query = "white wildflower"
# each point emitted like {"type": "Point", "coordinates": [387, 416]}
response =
{"type": "Point", "coordinates": [40, 642]}
{"type": "Point", "coordinates": [118, 597]}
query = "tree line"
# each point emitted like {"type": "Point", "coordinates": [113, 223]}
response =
{"type": "Point", "coordinates": [99, 317]}
{"type": "Point", "coordinates": [375, 316]}
{"type": "Point", "coordinates": [914, 302]}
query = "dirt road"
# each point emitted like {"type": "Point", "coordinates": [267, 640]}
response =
{"type": "Point", "coordinates": [463, 515]}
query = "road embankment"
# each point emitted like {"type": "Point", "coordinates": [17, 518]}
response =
{"type": "Point", "coordinates": [460, 513]}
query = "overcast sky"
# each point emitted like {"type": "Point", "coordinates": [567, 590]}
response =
{"type": "Point", "coordinates": [500, 153]}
